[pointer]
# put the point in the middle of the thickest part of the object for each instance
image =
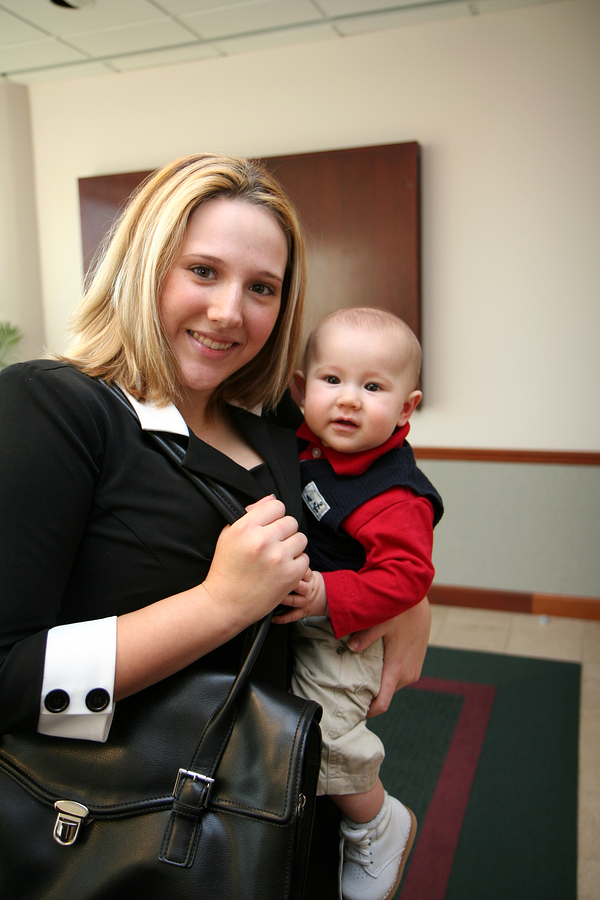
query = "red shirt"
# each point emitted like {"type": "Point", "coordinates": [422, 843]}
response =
{"type": "Point", "coordinates": [395, 529]}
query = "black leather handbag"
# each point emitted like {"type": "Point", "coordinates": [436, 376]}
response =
{"type": "Point", "coordinates": [205, 789]}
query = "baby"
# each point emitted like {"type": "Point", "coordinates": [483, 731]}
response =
{"type": "Point", "coordinates": [371, 514]}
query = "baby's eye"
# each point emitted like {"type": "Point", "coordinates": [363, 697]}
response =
{"type": "Point", "coordinates": [332, 379]}
{"type": "Point", "coordinates": [203, 271]}
{"type": "Point", "coordinates": [372, 386]}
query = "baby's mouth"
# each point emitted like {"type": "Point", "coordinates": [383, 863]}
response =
{"type": "Point", "coordinates": [208, 342]}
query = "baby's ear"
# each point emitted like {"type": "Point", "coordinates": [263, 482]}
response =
{"type": "Point", "coordinates": [410, 404]}
{"type": "Point", "coordinates": [300, 382]}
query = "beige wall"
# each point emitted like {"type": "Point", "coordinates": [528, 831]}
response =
{"type": "Point", "coordinates": [505, 106]}
{"type": "Point", "coordinates": [20, 287]}
{"type": "Point", "coordinates": [518, 526]}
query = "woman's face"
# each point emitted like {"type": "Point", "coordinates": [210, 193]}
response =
{"type": "Point", "coordinates": [222, 296]}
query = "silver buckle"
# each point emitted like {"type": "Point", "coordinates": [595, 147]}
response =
{"type": "Point", "coordinates": [69, 819]}
{"type": "Point", "coordinates": [195, 776]}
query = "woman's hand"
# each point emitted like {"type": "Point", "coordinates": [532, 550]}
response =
{"type": "Point", "coordinates": [258, 560]}
{"type": "Point", "coordinates": [405, 644]}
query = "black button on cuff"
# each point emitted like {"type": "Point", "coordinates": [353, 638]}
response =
{"type": "Point", "coordinates": [57, 701]}
{"type": "Point", "coordinates": [97, 700]}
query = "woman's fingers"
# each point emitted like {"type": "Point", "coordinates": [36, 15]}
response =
{"type": "Point", "coordinates": [258, 560]}
{"type": "Point", "coordinates": [269, 513]}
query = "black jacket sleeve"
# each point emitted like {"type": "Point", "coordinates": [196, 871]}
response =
{"type": "Point", "coordinates": [49, 456]}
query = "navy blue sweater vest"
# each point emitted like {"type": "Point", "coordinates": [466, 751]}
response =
{"type": "Point", "coordinates": [330, 498]}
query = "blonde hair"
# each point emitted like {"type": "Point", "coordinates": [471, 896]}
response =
{"type": "Point", "coordinates": [117, 329]}
{"type": "Point", "coordinates": [409, 351]}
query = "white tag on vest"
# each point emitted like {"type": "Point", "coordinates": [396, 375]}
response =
{"type": "Point", "coordinates": [315, 501]}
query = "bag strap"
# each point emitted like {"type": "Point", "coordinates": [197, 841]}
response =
{"type": "Point", "coordinates": [216, 733]}
{"type": "Point", "coordinates": [193, 786]}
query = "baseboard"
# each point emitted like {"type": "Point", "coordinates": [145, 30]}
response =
{"type": "Point", "coordinates": [516, 601]}
{"type": "Point", "coordinates": [538, 457]}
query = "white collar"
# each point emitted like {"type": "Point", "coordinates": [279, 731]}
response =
{"type": "Point", "coordinates": [158, 418]}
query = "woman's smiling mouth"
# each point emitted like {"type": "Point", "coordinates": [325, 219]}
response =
{"type": "Point", "coordinates": [208, 342]}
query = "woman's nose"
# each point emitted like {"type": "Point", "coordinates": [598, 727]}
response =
{"type": "Point", "coordinates": [226, 305]}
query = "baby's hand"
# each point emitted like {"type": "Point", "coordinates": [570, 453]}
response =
{"type": "Point", "coordinates": [309, 599]}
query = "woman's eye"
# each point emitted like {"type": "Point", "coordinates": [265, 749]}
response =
{"type": "Point", "coordinates": [203, 271]}
{"type": "Point", "coordinates": [263, 289]}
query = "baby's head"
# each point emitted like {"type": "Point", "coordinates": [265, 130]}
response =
{"type": "Point", "coordinates": [360, 379]}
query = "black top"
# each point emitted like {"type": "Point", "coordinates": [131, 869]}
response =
{"type": "Point", "coordinates": [95, 521]}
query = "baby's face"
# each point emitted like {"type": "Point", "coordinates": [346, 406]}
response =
{"type": "Point", "coordinates": [357, 389]}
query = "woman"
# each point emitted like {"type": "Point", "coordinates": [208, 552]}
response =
{"type": "Point", "coordinates": [114, 573]}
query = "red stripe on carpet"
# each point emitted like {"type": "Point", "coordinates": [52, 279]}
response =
{"type": "Point", "coordinates": [431, 861]}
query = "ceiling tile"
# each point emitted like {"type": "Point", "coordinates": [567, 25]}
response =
{"type": "Point", "coordinates": [239, 19]}
{"type": "Point", "coordinates": [484, 6]}
{"type": "Point", "coordinates": [351, 7]}
{"type": "Point", "coordinates": [14, 31]}
{"type": "Point", "coordinates": [176, 7]}
{"type": "Point", "coordinates": [103, 14]}
{"type": "Point", "coordinates": [38, 36]}
{"type": "Point", "coordinates": [164, 57]}
{"type": "Point", "coordinates": [129, 38]}
{"type": "Point", "coordinates": [285, 37]}
{"type": "Point", "coordinates": [35, 54]}
{"type": "Point", "coordinates": [398, 18]}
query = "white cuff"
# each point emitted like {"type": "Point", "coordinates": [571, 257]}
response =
{"type": "Point", "coordinates": [79, 680]}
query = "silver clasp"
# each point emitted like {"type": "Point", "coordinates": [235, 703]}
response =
{"type": "Point", "coordinates": [69, 819]}
{"type": "Point", "coordinates": [204, 780]}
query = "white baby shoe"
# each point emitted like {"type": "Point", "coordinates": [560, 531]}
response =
{"type": "Point", "coordinates": [373, 854]}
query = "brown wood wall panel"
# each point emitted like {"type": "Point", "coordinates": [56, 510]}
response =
{"type": "Point", "coordinates": [361, 210]}
{"type": "Point", "coordinates": [101, 198]}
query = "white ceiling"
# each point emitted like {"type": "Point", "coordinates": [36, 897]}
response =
{"type": "Point", "coordinates": [41, 41]}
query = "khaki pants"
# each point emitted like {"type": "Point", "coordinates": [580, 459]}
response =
{"type": "Point", "coordinates": [344, 683]}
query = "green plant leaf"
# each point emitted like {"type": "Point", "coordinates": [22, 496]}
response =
{"type": "Point", "coordinates": [10, 335]}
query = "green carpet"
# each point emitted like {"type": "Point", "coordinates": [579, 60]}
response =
{"type": "Point", "coordinates": [484, 750]}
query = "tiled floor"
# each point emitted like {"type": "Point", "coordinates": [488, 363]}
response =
{"type": "Point", "coordinates": [575, 640]}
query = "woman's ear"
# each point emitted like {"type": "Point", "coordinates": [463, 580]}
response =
{"type": "Point", "coordinates": [410, 404]}
{"type": "Point", "coordinates": [300, 383]}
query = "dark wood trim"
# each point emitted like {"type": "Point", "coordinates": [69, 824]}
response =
{"type": "Point", "coordinates": [476, 598]}
{"type": "Point", "coordinates": [561, 605]}
{"type": "Point", "coordinates": [516, 601]}
{"type": "Point", "coordinates": [468, 454]}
